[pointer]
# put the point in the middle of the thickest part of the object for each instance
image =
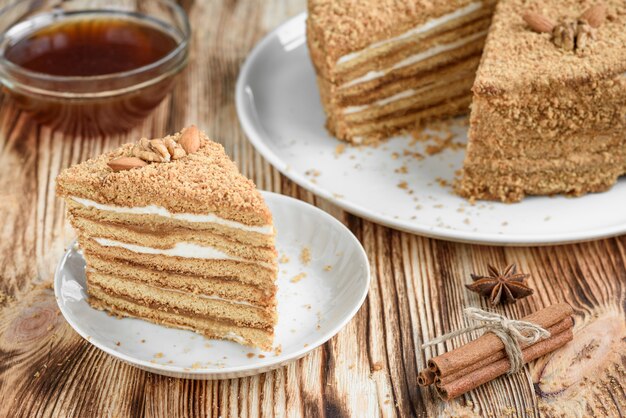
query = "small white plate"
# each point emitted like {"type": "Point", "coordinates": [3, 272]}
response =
{"type": "Point", "coordinates": [310, 310]}
{"type": "Point", "coordinates": [279, 108]}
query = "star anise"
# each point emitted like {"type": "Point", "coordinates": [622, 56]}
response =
{"type": "Point", "coordinates": [501, 287]}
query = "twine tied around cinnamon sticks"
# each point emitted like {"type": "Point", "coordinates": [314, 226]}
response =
{"type": "Point", "coordinates": [512, 332]}
{"type": "Point", "coordinates": [458, 371]}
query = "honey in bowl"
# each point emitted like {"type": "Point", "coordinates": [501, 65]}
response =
{"type": "Point", "coordinates": [92, 72]}
{"type": "Point", "coordinates": [91, 46]}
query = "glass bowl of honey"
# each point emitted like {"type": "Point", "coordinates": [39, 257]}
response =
{"type": "Point", "coordinates": [91, 67]}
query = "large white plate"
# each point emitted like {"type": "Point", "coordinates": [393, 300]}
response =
{"type": "Point", "coordinates": [280, 111]}
{"type": "Point", "coordinates": [311, 310]}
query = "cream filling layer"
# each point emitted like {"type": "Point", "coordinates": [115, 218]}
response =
{"type": "Point", "coordinates": [413, 59]}
{"type": "Point", "coordinates": [382, 102]}
{"type": "Point", "coordinates": [181, 249]}
{"type": "Point", "coordinates": [188, 217]}
{"type": "Point", "coordinates": [425, 27]}
{"type": "Point", "coordinates": [236, 337]}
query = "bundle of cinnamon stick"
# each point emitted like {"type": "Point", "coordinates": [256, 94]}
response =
{"type": "Point", "coordinates": [482, 360]}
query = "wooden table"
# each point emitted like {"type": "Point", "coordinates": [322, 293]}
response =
{"type": "Point", "coordinates": [370, 367]}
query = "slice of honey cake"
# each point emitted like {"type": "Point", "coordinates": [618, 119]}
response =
{"type": "Point", "coordinates": [172, 233]}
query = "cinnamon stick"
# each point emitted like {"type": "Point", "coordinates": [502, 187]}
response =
{"type": "Point", "coordinates": [489, 344]}
{"type": "Point", "coordinates": [476, 378]}
{"type": "Point", "coordinates": [425, 377]}
{"type": "Point", "coordinates": [560, 327]}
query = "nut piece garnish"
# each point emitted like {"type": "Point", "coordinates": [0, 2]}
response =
{"type": "Point", "coordinates": [538, 23]}
{"type": "Point", "coordinates": [174, 148]}
{"type": "Point", "coordinates": [190, 139]}
{"type": "Point", "coordinates": [595, 15]}
{"type": "Point", "coordinates": [573, 35]}
{"type": "Point", "coordinates": [167, 149]}
{"type": "Point", "coordinates": [568, 34]}
{"type": "Point", "coordinates": [159, 148]}
{"type": "Point", "coordinates": [144, 150]}
{"type": "Point", "coordinates": [126, 163]}
{"type": "Point", "coordinates": [564, 35]}
{"type": "Point", "coordinates": [584, 34]}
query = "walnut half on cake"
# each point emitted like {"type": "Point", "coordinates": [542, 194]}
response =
{"type": "Point", "coordinates": [172, 233]}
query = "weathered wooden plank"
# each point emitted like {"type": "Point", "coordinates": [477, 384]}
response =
{"type": "Point", "coordinates": [369, 368]}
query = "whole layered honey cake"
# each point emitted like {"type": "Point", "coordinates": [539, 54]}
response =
{"type": "Point", "coordinates": [549, 107]}
{"type": "Point", "coordinates": [172, 233]}
{"type": "Point", "coordinates": [388, 66]}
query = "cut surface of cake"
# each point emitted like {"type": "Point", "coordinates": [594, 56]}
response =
{"type": "Point", "coordinates": [172, 233]}
{"type": "Point", "coordinates": [548, 117]}
{"type": "Point", "coordinates": [387, 66]}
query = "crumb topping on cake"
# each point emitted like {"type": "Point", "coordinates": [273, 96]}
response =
{"type": "Point", "coordinates": [205, 181]}
{"type": "Point", "coordinates": [518, 57]}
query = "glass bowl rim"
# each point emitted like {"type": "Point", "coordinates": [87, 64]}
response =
{"type": "Point", "coordinates": [181, 47]}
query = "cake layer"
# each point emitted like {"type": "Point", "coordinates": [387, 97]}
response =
{"type": "Point", "coordinates": [421, 56]}
{"type": "Point", "coordinates": [227, 288]}
{"type": "Point", "coordinates": [339, 32]}
{"type": "Point", "coordinates": [394, 114]}
{"type": "Point", "coordinates": [517, 58]}
{"type": "Point", "coordinates": [423, 99]}
{"type": "Point", "coordinates": [417, 39]}
{"type": "Point", "coordinates": [546, 140]}
{"type": "Point", "coordinates": [203, 182]}
{"type": "Point", "coordinates": [244, 272]}
{"type": "Point", "coordinates": [370, 133]}
{"type": "Point", "coordinates": [510, 181]}
{"type": "Point", "coordinates": [445, 92]}
{"type": "Point", "coordinates": [534, 146]}
{"type": "Point", "coordinates": [211, 329]}
{"type": "Point", "coordinates": [439, 57]}
{"type": "Point", "coordinates": [241, 313]}
{"type": "Point", "coordinates": [152, 221]}
{"type": "Point", "coordinates": [436, 77]}
{"type": "Point", "coordinates": [170, 238]}
{"type": "Point", "coordinates": [184, 250]}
